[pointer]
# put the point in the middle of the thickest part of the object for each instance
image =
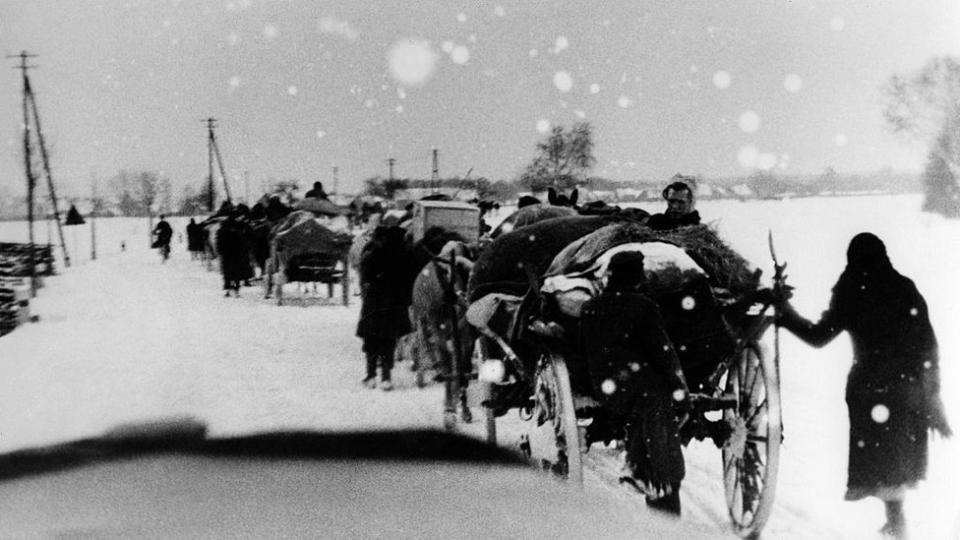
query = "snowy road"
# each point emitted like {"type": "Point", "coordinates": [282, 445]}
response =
{"type": "Point", "coordinates": [125, 338]}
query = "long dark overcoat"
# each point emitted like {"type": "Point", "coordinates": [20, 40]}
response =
{"type": "Point", "coordinates": [634, 371]}
{"type": "Point", "coordinates": [386, 280]}
{"type": "Point", "coordinates": [233, 248]}
{"type": "Point", "coordinates": [892, 391]}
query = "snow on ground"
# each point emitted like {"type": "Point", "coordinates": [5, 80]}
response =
{"type": "Point", "coordinates": [126, 338]}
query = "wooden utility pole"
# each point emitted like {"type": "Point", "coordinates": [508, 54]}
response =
{"type": "Point", "coordinates": [30, 106]}
{"type": "Point", "coordinates": [336, 184]}
{"type": "Point", "coordinates": [49, 175]}
{"type": "Point", "coordinates": [391, 162]}
{"type": "Point", "coordinates": [435, 176]}
{"type": "Point", "coordinates": [214, 151]}
{"type": "Point", "coordinates": [28, 165]}
{"type": "Point", "coordinates": [94, 205]}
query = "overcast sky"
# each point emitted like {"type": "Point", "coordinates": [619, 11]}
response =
{"type": "Point", "coordinates": [713, 88]}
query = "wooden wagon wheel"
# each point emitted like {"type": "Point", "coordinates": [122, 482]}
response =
{"type": "Point", "coordinates": [553, 437]}
{"type": "Point", "coordinates": [480, 354]}
{"type": "Point", "coordinates": [751, 454]}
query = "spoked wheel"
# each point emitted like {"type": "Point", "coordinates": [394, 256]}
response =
{"type": "Point", "coordinates": [553, 438]}
{"type": "Point", "coordinates": [481, 352]}
{"type": "Point", "coordinates": [751, 454]}
{"type": "Point", "coordinates": [454, 394]}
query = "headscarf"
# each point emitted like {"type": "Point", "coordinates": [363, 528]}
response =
{"type": "Point", "coordinates": [869, 282]}
{"type": "Point", "coordinates": [625, 271]}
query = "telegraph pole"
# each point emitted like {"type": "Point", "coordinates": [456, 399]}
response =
{"type": "Point", "coordinates": [46, 170]}
{"type": "Point", "coordinates": [214, 151]}
{"type": "Point", "coordinates": [27, 159]}
{"type": "Point", "coordinates": [390, 162]}
{"type": "Point", "coordinates": [94, 205]}
{"type": "Point", "coordinates": [336, 184]}
{"type": "Point", "coordinates": [435, 176]}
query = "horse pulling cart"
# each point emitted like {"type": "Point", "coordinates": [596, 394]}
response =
{"type": "Point", "coordinates": [302, 250]}
{"type": "Point", "coordinates": [526, 356]}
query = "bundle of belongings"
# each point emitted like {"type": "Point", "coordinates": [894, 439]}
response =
{"type": "Point", "coordinates": [687, 270]}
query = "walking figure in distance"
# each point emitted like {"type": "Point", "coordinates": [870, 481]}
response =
{"type": "Point", "coordinates": [893, 389]}
{"type": "Point", "coordinates": [163, 233]}
{"type": "Point", "coordinates": [386, 279]}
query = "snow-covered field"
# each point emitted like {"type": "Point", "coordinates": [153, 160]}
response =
{"type": "Point", "coordinates": [126, 338]}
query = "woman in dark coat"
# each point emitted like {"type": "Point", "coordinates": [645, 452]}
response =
{"type": "Point", "coordinates": [637, 375]}
{"type": "Point", "coordinates": [386, 281]}
{"type": "Point", "coordinates": [893, 389]}
{"type": "Point", "coordinates": [233, 248]}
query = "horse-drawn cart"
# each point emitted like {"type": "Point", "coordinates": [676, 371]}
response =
{"type": "Point", "coordinates": [527, 357]}
{"type": "Point", "coordinates": [303, 250]}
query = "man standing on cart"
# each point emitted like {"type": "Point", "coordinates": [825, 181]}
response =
{"type": "Point", "coordinates": [637, 376]}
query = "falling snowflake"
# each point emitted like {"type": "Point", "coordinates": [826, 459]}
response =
{"type": "Point", "coordinates": [543, 126]}
{"type": "Point", "coordinates": [880, 413]}
{"type": "Point", "coordinates": [914, 311]}
{"type": "Point", "coordinates": [634, 366]}
{"type": "Point", "coordinates": [234, 82]}
{"type": "Point", "coordinates": [321, 134]}
{"type": "Point", "coordinates": [233, 38]}
{"type": "Point", "coordinates": [369, 103]}
{"type": "Point", "coordinates": [330, 25]}
{"type": "Point", "coordinates": [472, 38]}
{"type": "Point", "coordinates": [580, 114]}
{"type": "Point", "coordinates": [563, 81]}
{"type": "Point", "coordinates": [270, 32]}
{"type": "Point", "coordinates": [499, 11]}
{"type": "Point", "coordinates": [766, 161]}
{"type": "Point", "coordinates": [292, 90]}
{"type": "Point", "coordinates": [861, 444]}
{"type": "Point", "coordinates": [461, 17]}
{"type": "Point", "coordinates": [747, 156]}
{"type": "Point", "coordinates": [679, 394]}
{"type": "Point", "coordinates": [608, 386]}
{"type": "Point", "coordinates": [411, 62]}
{"type": "Point", "coordinates": [460, 55]}
{"type": "Point", "coordinates": [688, 303]}
{"type": "Point", "coordinates": [594, 88]}
{"type": "Point", "coordinates": [447, 47]}
{"type": "Point", "coordinates": [722, 79]}
{"type": "Point", "coordinates": [840, 139]}
{"type": "Point", "coordinates": [793, 83]}
{"type": "Point", "coordinates": [749, 122]}
{"type": "Point", "coordinates": [624, 102]}
{"type": "Point", "coordinates": [560, 44]}
{"type": "Point", "coordinates": [533, 53]}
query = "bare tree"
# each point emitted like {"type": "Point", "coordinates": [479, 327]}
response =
{"type": "Point", "coordinates": [563, 159]}
{"type": "Point", "coordinates": [925, 106]}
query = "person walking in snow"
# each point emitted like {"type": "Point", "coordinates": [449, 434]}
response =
{"type": "Point", "coordinates": [893, 389]}
{"type": "Point", "coordinates": [637, 375]}
{"type": "Point", "coordinates": [163, 233]}
{"type": "Point", "coordinates": [386, 278]}
{"type": "Point", "coordinates": [233, 248]}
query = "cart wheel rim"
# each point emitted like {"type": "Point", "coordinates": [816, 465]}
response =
{"type": "Point", "coordinates": [751, 452]}
{"type": "Point", "coordinates": [554, 417]}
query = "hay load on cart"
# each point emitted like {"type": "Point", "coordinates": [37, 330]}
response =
{"type": "Point", "coordinates": [303, 250]}
{"type": "Point", "coordinates": [691, 274]}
